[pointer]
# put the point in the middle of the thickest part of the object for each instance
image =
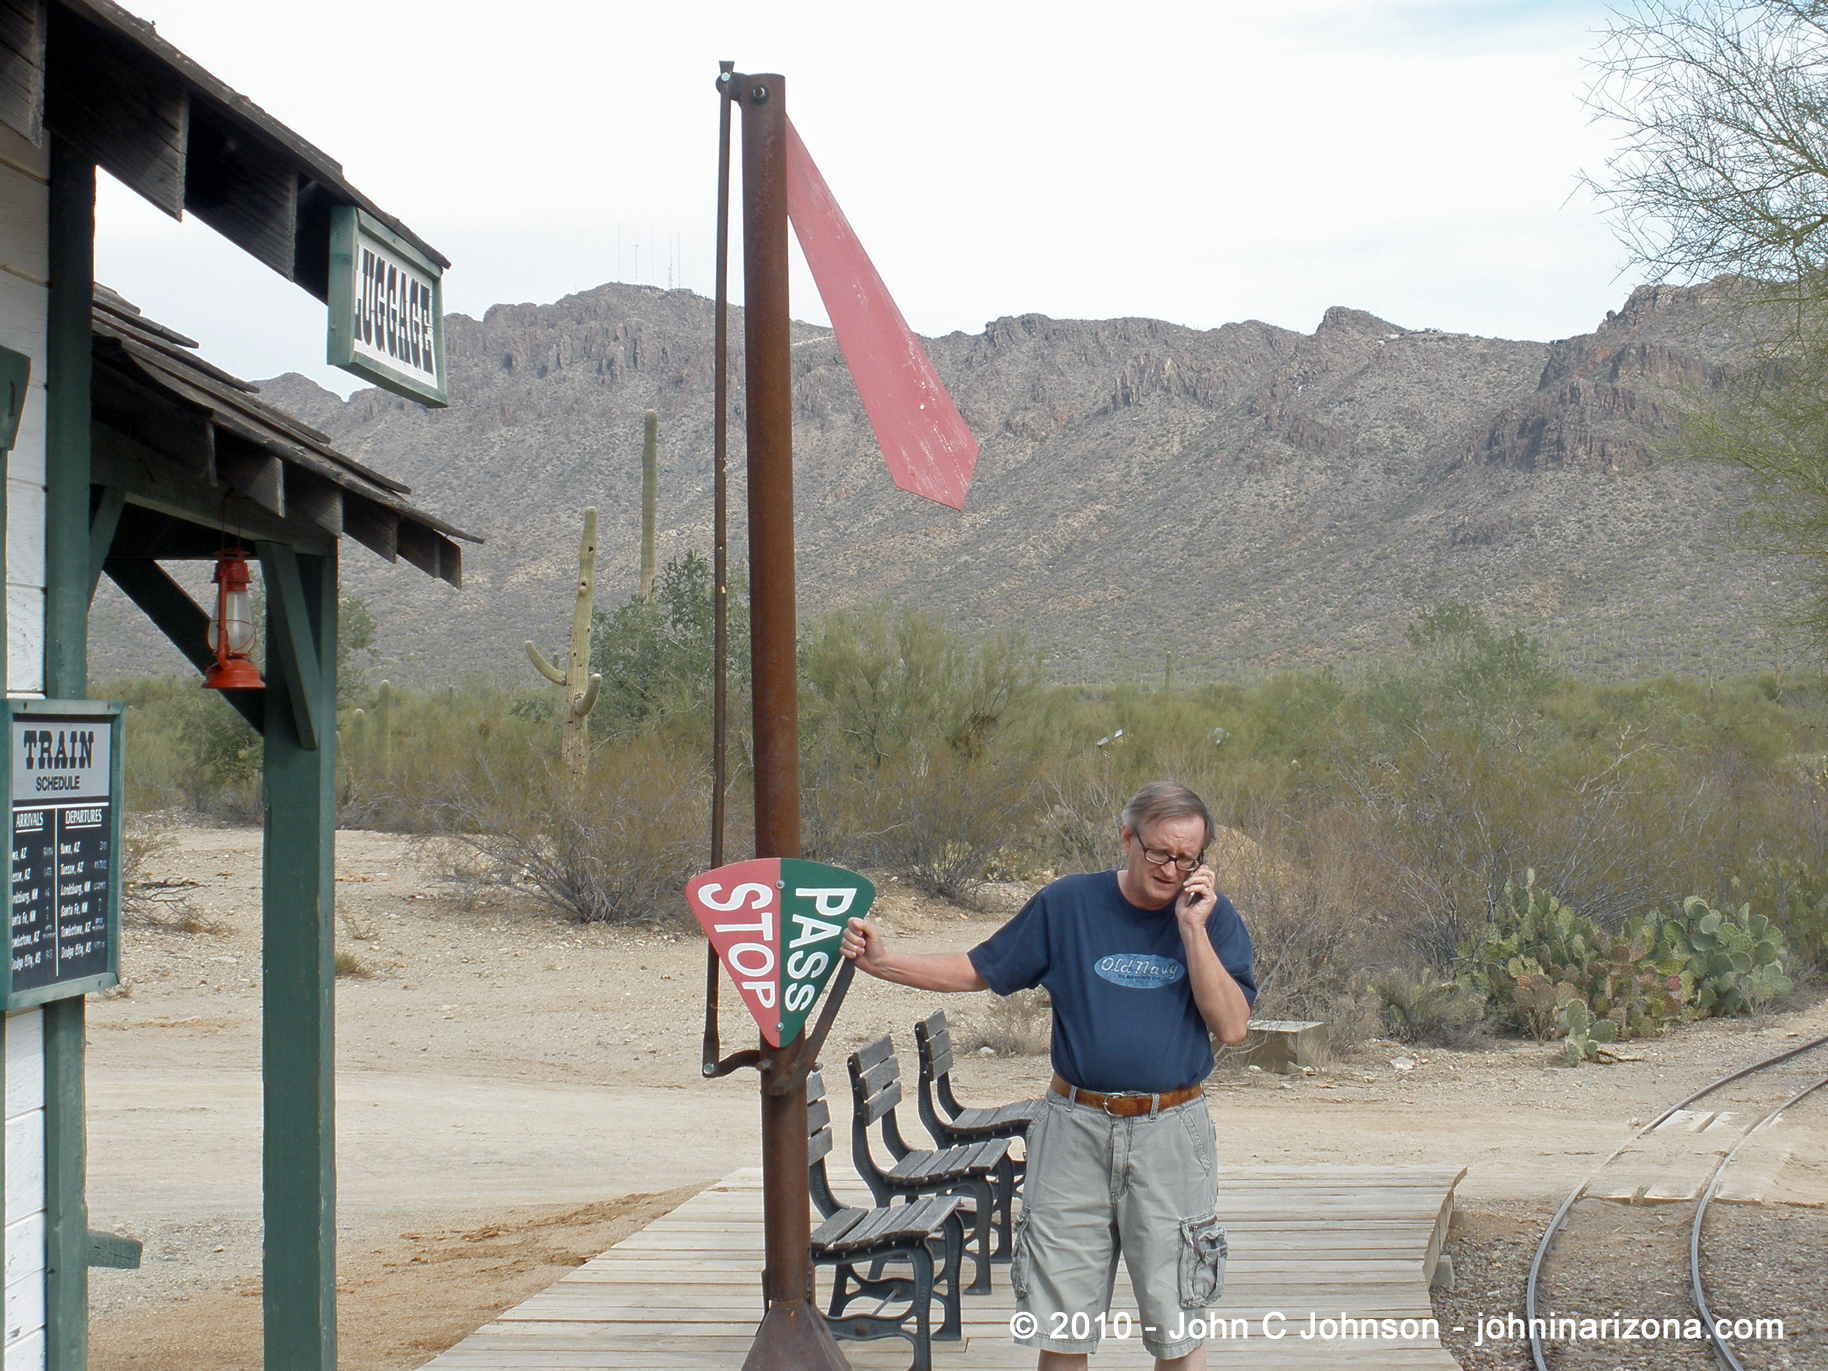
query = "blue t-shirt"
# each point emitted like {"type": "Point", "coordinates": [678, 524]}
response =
{"type": "Point", "coordinates": [1124, 1015]}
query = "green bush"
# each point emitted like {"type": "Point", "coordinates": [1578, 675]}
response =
{"type": "Point", "coordinates": [655, 653]}
{"type": "Point", "coordinates": [911, 762]}
{"type": "Point", "coordinates": [1375, 817]}
{"type": "Point", "coordinates": [1795, 894]}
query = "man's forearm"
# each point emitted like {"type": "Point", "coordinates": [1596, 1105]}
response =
{"type": "Point", "coordinates": [1220, 999]}
{"type": "Point", "coordinates": [942, 971]}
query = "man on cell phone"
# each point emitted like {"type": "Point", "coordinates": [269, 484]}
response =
{"type": "Point", "coordinates": [1142, 964]}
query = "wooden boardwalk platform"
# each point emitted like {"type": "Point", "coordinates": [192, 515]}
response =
{"type": "Point", "coordinates": [685, 1292]}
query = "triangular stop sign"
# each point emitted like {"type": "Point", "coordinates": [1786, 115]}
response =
{"type": "Point", "coordinates": [775, 923]}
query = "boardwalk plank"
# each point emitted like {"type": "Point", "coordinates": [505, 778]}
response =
{"type": "Point", "coordinates": [685, 1291]}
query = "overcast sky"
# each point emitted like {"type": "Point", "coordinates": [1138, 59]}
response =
{"type": "Point", "coordinates": [1192, 162]}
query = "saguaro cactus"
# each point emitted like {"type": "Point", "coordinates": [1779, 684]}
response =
{"type": "Point", "coordinates": [580, 691]}
{"type": "Point", "coordinates": [357, 749]}
{"type": "Point", "coordinates": [384, 726]}
{"type": "Point", "coordinates": [650, 499]}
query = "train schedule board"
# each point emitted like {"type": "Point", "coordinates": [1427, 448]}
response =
{"type": "Point", "coordinates": [64, 777]}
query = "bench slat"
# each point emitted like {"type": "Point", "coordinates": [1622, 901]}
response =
{"type": "Point", "coordinates": [927, 1166]}
{"type": "Point", "coordinates": [834, 1229]}
{"type": "Point", "coordinates": [989, 1152]}
{"type": "Point", "coordinates": [871, 1053]}
{"type": "Point", "coordinates": [939, 1059]}
{"type": "Point", "coordinates": [875, 1077]}
{"type": "Point", "coordinates": [934, 1040]}
{"type": "Point", "coordinates": [874, 1107]}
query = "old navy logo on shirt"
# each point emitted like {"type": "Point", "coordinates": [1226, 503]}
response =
{"type": "Point", "coordinates": [1139, 970]}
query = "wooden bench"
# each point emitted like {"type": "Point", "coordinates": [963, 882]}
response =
{"type": "Point", "coordinates": [933, 1044]}
{"type": "Point", "coordinates": [851, 1237]}
{"type": "Point", "coordinates": [981, 1171]}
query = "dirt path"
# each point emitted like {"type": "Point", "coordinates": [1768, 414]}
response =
{"type": "Point", "coordinates": [516, 1093]}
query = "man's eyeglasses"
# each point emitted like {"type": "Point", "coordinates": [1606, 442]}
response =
{"type": "Point", "coordinates": [1184, 865]}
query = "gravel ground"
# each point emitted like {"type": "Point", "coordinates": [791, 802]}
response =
{"type": "Point", "coordinates": [1615, 1259]}
{"type": "Point", "coordinates": [515, 1093]}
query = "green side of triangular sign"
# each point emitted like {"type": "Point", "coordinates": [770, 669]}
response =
{"type": "Point", "coordinates": [816, 903]}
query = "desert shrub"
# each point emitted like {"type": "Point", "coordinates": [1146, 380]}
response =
{"type": "Point", "coordinates": [1301, 901]}
{"type": "Point", "coordinates": [1427, 1006]}
{"type": "Point", "coordinates": [1469, 767]}
{"type": "Point", "coordinates": [911, 765]}
{"type": "Point", "coordinates": [186, 747]}
{"type": "Point", "coordinates": [938, 820]}
{"type": "Point", "coordinates": [1374, 817]}
{"type": "Point", "coordinates": [402, 751]}
{"type": "Point", "coordinates": [655, 653]}
{"type": "Point", "coordinates": [1021, 1024]}
{"type": "Point", "coordinates": [1078, 828]}
{"type": "Point", "coordinates": [617, 849]}
{"type": "Point", "coordinates": [161, 902]}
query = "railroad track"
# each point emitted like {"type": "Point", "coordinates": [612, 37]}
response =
{"type": "Point", "coordinates": [1696, 1286]}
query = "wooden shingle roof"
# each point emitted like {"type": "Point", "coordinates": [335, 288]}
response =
{"type": "Point", "coordinates": [151, 385]}
{"type": "Point", "coordinates": [104, 80]}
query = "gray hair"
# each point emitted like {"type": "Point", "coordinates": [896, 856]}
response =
{"type": "Point", "coordinates": [1167, 800]}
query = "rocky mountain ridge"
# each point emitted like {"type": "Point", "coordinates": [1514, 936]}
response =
{"type": "Point", "coordinates": [1246, 498]}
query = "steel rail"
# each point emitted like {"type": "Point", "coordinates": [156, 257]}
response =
{"type": "Point", "coordinates": [1694, 1233]}
{"type": "Point", "coordinates": [1548, 1236]}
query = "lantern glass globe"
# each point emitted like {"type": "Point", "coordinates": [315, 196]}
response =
{"type": "Point", "coordinates": [238, 610]}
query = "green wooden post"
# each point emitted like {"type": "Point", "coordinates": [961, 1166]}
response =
{"type": "Point", "coordinates": [298, 1063]}
{"type": "Point", "coordinates": [66, 567]}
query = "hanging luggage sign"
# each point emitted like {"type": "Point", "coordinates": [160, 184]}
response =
{"type": "Point", "coordinates": [775, 923]}
{"type": "Point", "coordinates": [386, 308]}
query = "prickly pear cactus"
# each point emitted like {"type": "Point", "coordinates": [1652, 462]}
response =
{"type": "Point", "coordinates": [1538, 956]}
{"type": "Point", "coordinates": [1583, 1033]}
{"type": "Point", "coordinates": [1733, 959]}
{"type": "Point", "coordinates": [580, 689]}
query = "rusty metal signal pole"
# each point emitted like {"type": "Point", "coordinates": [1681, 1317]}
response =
{"type": "Point", "coordinates": [793, 1335]}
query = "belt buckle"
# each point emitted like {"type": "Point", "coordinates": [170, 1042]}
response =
{"type": "Point", "coordinates": [1105, 1103]}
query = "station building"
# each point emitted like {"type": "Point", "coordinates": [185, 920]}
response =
{"type": "Point", "coordinates": [127, 449]}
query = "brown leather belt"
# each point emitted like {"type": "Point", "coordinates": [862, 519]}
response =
{"type": "Point", "coordinates": [1125, 1106]}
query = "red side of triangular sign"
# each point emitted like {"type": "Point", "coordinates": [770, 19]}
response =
{"type": "Point", "coordinates": [739, 908]}
{"type": "Point", "coordinates": [929, 450]}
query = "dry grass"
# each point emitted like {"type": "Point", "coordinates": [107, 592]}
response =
{"type": "Point", "coordinates": [1015, 1025]}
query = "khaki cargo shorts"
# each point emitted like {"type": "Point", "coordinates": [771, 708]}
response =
{"type": "Point", "coordinates": [1099, 1186]}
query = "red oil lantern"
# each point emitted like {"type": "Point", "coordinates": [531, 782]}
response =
{"type": "Point", "coordinates": [231, 627]}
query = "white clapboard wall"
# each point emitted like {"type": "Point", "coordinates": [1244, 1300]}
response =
{"type": "Point", "coordinates": [24, 268]}
{"type": "Point", "coordinates": [25, 1190]}
{"type": "Point", "coordinates": [24, 273]}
